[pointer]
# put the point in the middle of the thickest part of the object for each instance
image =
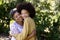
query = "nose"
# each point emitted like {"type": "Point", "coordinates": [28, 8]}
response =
{"type": "Point", "coordinates": [18, 16]}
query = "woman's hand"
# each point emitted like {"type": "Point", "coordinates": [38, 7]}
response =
{"type": "Point", "coordinates": [10, 34]}
{"type": "Point", "coordinates": [31, 35]}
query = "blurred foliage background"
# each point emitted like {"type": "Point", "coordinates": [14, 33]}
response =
{"type": "Point", "coordinates": [47, 17]}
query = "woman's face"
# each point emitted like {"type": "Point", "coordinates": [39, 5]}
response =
{"type": "Point", "coordinates": [24, 13]}
{"type": "Point", "coordinates": [17, 17]}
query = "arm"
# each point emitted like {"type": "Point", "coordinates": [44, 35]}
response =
{"type": "Point", "coordinates": [31, 35]}
{"type": "Point", "coordinates": [13, 30]}
{"type": "Point", "coordinates": [33, 30]}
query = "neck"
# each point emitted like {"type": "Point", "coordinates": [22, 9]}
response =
{"type": "Point", "coordinates": [21, 23]}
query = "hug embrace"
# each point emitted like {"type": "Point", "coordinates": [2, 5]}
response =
{"type": "Point", "coordinates": [24, 26]}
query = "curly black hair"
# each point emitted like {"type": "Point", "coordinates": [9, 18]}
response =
{"type": "Point", "coordinates": [27, 6]}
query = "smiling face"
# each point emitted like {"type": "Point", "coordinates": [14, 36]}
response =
{"type": "Point", "coordinates": [17, 17]}
{"type": "Point", "coordinates": [24, 13]}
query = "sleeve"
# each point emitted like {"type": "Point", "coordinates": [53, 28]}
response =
{"type": "Point", "coordinates": [13, 30]}
{"type": "Point", "coordinates": [24, 33]}
{"type": "Point", "coordinates": [33, 25]}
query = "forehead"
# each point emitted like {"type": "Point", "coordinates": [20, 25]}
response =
{"type": "Point", "coordinates": [16, 13]}
{"type": "Point", "coordinates": [24, 10]}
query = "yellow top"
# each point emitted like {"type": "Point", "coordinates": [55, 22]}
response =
{"type": "Point", "coordinates": [29, 26]}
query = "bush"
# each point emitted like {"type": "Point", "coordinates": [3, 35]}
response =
{"type": "Point", "coordinates": [5, 17]}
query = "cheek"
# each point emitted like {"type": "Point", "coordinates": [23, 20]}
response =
{"type": "Point", "coordinates": [20, 19]}
{"type": "Point", "coordinates": [23, 15]}
{"type": "Point", "coordinates": [16, 19]}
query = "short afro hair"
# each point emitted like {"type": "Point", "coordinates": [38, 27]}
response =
{"type": "Point", "coordinates": [27, 6]}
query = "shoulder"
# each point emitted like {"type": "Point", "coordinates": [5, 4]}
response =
{"type": "Point", "coordinates": [29, 19]}
{"type": "Point", "coordinates": [12, 25]}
